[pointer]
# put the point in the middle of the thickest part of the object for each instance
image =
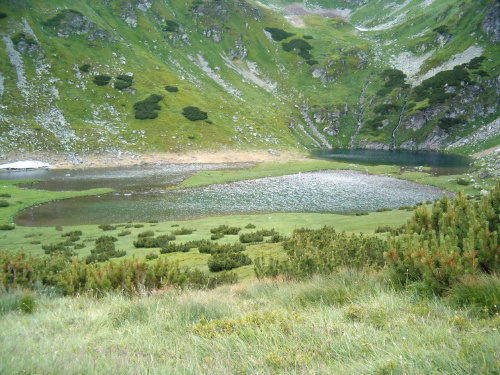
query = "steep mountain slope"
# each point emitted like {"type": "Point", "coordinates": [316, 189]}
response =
{"type": "Point", "coordinates": [124, 75]}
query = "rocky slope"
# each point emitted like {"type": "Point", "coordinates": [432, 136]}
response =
{"type": "Point", "coordinates": [115, 76]}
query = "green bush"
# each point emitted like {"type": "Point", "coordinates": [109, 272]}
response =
{"type": "Point", "coordinates": [101, 80]}
{"type": "Point", "coordinates": [173, 248]}
{"type": "Point", "coordinates": [207, 247]}
{"type": "Point", "coordinates": [194, 113]}
{"type": "Point", "coordinates": [5, 195]}
{"type": "Point", "coordinates": [251, 237]}
{"type": "Point", "coordinates": [250, 226]}
{"type": "Point", "coordinates": [385, 109]}
{"type": "Point", "coordinates": [224, 229]}
{"type": "Point", "coordinates": [121, 85]}
{"type": "Point", "coordinates": [84, 68]}
{"type": "Point", "coordinates": [447, 123]}
{"type": "Point", "coordinates": [104, 250]}
{"type": "Point", "coordinates": [74, 233]}
{"type": "Point", "coordinates": [434, 87]}
{"type": "Point", "coordinates": [151, 256]}
{"type": "Point", "coordinates": [171, 88]}
{"type": "Point", "coordinates": [296, 44]}
{"type": "Point", "coordinates": [148, 233]}
{"type": "Point", "coordinates": [71, 277]}
{"type": "Point", "coordinates": [147, 109]}
{"type": "Point", "coordinates": [59, 18]}
{"type": "Point", "coordinates": [227, 261]}
{"type": "Point", "coordinates": [322, 251]}
{"type": "Point", "coordinates": [171, 26]}
{"type": "Point", "coordinates": [278, 34]}
{"type": "Point", "coordinates": [150, 241]}
{"type": "Point", "coordinates": [3, 15]}
{"type": "Point", "coordinates": [442, 29]}
{"type": "Point", "coordinates": [107, 227]}
{"type": "Point", "coordinates": [4, 203]}
{"type": "Point", "coordinates": [383, 229]}
{"type": "Point", "coordinates": [125, 78]}
{"type": "Point", "coordinates": [182, 231]}
{"type": "Point", "coordinates": [463, 181]}
{"type": "Point", "coordinates": [456, 238]}
{"type": "Point", "coordinates": [124, 233]}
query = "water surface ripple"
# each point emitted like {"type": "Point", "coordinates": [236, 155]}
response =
{"type": "Point", "coordinates": [325, 191]}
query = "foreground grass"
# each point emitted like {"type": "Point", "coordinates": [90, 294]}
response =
{"type": "Point", "coordinates": [20, 199]}
{"type": "Point", "coordinates": [347, 323]}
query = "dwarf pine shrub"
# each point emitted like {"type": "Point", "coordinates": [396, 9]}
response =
{"type": "Point", "coordinates": [101, 80]}
{"type": "Point", "coordinates": [194, 113]}
{"type": "Point", "coordinates": [278, 34]}
{"type": "Point", "coordinates": [147, 108]}
{"type": "Point", "coordinates": [456, 237]}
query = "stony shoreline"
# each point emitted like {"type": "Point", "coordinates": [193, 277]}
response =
{"type": "Point", "coordinates": [72, 161]}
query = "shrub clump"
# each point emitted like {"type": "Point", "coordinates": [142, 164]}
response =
{"type": "Point", "coordinates": [4, 203]}
{"type": "Point", "coordinates": [147, 108]}
{"type": "Point", "coordinates": [455, 238]}
{"type": "Point", "coordinates": [84, 68]}
{"type": "Point", "coordinates": [7, 226]}
{"type": "Point", "coordinates": [123, 81]}
{"type": "Point", "coordinates": [173, 248]}
{"type": "Point", "coordinates": [149, 241]}
{"type": "Point", "coordinates": [172, 88]}
{"type": "Point", "coordinates": [227, 261]}
{"type": "Point", "coordinates": [322, 251]}
{"type": "Point", "coordinates": [194, 113]}
{"type": "Point", "coordinates": [104, 250]}
{"type": "Point", "coordinates": [222, 230]}
{"type": "Point", "coordinates": [130, 277]}
{"type": "Point", "coordinates": [278, 34]}
{"type": "Point", "coordinates": [107, 227]}
{"type": "Point", "coordinates": [101, 79]}
{"type": "Point", "coordinates": [182, 231]}
{"type": "Point", "coordinates": [299, 45]}
{"type": "Point", "coordinates": [171, 26]}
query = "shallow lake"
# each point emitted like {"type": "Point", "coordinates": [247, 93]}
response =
{"type": "Point", "coordinates": [440, 164]}
{"type": "Point", "coordinates": [326, 191]}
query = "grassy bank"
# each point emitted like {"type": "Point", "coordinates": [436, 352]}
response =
{"type": "Point", "coordinates": [349, 323]}
{"type": "Point", "coordinates": [19, 199]}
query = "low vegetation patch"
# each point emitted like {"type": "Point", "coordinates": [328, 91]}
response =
{"type": "Point", "coordinates": [278, 34]}
{"type": "Point", "coordinates": [147, 109]}
{"type": "Point", "coordinates": [101, 79]}
{"type": "Point", "coordinates": [194, 113]}
{"type": "Point", "coordinates": [172, 88]}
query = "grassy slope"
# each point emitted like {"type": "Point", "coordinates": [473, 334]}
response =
{"type": "Point", "coordinates": [103, 117]}
{"type": "Point", "coordinates": [348, 323]}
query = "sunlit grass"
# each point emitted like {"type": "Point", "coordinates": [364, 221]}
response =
{"type": "Point", "coordinates": [352, 323]}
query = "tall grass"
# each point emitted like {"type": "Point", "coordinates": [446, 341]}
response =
{"type": "Point", "coordinates": [349, 322]}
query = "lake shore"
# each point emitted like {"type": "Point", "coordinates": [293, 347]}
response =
{"type": "Point", "coordinates": [72, 161]}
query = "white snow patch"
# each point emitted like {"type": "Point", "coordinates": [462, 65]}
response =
{"type": "Point", "coordinates": [26, 164]}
